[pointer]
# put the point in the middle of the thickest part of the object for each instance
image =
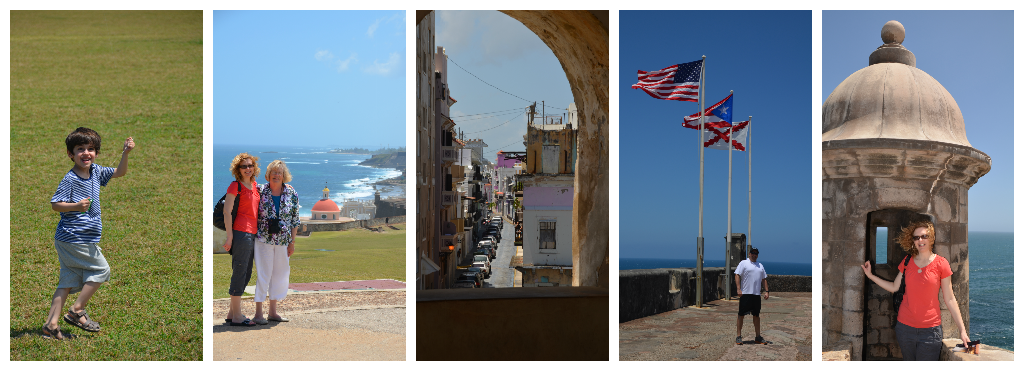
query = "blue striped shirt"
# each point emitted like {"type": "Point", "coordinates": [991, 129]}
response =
{"type": "Point", "coordinates": [76, 226]}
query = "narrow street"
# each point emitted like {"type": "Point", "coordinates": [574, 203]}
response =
{"type": "Point", "coordinates": [501, 274]}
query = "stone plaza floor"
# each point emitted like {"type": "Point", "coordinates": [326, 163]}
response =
{"type": "Point", "coordinates": [709, 333]}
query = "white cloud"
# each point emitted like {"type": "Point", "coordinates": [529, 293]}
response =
{"type": "Point", "coordinates": [494, 36]}
{"type": "Point", "coordinates": [343, 65]}
{"type": "Point", "coordinates": [378, 68]}
{"type": "Point", "coordinates": [323, 55]}
{"type": "Point", "coordinates": [327, 57]}
{"type": "Point", "coordinates": [373, 27]}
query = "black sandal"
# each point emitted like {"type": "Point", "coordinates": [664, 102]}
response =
{"type": "Point", "coordinates": [246, 323]}
{"type": "Point", "coordinates": [53, 333]}
{"type": "Point", "coordinates": [75, 319]}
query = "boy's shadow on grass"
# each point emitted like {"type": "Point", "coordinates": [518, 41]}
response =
{"type": "Point", "coordinates": [33, 332]}
{"type": "Point", "coordinates": [224, 327]}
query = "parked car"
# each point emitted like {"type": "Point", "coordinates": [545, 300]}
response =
{"type": "Point", "coordinates": [485, 251]}
{"type": "Point", "coordinates": [464, 284]}
{"type": "Point", "coordinates": [472, 276]}
{"type": "Point", "coordinates": [491, 239]}
{"type": "Point", "coordinates": [483, 262]}
{"type": "Point", "coordinates": [478, 271]}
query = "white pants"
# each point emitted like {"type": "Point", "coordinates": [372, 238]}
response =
{"type": "Point", "coordinates": [271, 271]}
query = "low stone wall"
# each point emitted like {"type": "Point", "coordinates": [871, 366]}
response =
{"type": "Point", "coordinates": [355, 224]}
{"type": "Point", "coordinates": [513, 324]}
{"type": "Point", "coordinates": [646, 292]}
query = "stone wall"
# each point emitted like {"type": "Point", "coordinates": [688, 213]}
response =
{"type": "Point", "coordinates": [356, 224]}
{"type": "Point", "coordinates": [390, 208]}
{"type": "Point", "coordinates": [513, 324]}
{"type": "Point", "coordinates": [646, 292]}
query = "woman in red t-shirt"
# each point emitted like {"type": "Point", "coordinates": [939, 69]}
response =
{"type": "Point", "coordinates": [919, 324]}
{"type": "Point", "coordinates": [242, 239]}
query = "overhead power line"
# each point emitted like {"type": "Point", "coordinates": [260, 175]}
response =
{"type": "Point", "coordinates": [461, 121]}
{"type": "Point", "coordinates": [487, 113]}
{"type": "Point", "coordinates": [489, 84]}
{"type": "Point", "coordinates": [509, 120]}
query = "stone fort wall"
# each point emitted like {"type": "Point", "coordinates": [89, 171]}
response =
{"type": "Point", "coordinates": [646, 292]}
{"type": "Point", "coordinates": [306, 229]}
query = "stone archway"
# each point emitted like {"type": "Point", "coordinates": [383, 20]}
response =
{"type": "Point", "coordinates": [579, 39]}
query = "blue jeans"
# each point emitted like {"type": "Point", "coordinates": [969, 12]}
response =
{"type": "Point", "coordinates": [919, 344]}
{"type": "Point", "coordinates": [242, 246]}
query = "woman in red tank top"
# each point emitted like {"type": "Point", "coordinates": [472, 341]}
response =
{"type": "Point", "coordinates": [241, 239]}
{"type": "Point", "coordinates": [919, 324]}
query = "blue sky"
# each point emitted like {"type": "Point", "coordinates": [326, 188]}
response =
{"type": "Point", "coordinates": [975, 64]}
{"type": "Point", "coordinates": [319, 78]}
{"type": "Point", "coordinates": [504, 53]}
{"type": "Point", "coordinates": [765, 57]}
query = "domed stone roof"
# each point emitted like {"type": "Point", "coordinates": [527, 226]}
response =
{"type": "Point", "coordinates": [892, 99]}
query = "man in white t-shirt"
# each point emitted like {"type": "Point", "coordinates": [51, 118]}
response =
{"type": "Point", "coordinates": [750, 277]}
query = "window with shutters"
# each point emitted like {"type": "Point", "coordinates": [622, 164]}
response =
{"type": "Point", "coordinates": [547, 235]}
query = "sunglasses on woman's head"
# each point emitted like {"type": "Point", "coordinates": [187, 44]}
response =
{"type": "Point", "coordinates": [921, 237]}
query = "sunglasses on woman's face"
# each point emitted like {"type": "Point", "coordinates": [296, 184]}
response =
{"type": "Point", "coordinates": [921, 237]}
{"type": "Point", "coordinates": [243, 167]}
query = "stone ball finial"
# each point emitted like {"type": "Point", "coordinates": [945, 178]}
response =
{"type": "Point", "coordinates": [893, 32]}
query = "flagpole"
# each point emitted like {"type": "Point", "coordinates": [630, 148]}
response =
{"type": "Point", "coordinates": [750, 123]}
{"type": "Point", "coordinates": [728, 224]}
{"type": "Point", "coordinates": [700, 218]}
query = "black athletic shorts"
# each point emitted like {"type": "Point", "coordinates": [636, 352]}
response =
{"type": "Point", "coordinates": [750, 304]}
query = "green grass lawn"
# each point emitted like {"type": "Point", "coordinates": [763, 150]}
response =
{"type": "Point", "coordinates": [122, 74]}
{"type": "Point", "coordinates": [358, 255]}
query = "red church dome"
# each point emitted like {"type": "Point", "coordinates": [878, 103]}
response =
{"type": "Point", "coordinates": [326, 205]}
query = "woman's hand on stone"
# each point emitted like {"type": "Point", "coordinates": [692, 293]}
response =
{"type": "Point", "coordinates": [867, 268]}
{"type": "Point", "coordinates": [963, 337]}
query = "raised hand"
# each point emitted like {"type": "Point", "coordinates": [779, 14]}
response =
{"type": "Point", "coordinates": [129, 145]}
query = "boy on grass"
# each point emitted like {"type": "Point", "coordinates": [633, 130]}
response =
{"type": "Point", "coordinates": [82, 266]}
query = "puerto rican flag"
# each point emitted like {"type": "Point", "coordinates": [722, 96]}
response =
{"type": "Point", "coordinates": [717, 115]}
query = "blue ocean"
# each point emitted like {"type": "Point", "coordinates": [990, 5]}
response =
{"type": "Point", "coordinates": [312, 168]}
{"type": "Point", "coordinates": [991, 259]}
{"type": "Point", "coordinates": [795, 269]}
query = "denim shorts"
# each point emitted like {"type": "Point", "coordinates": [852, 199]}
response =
{"type": "Point", "coordinates": [242, 245]}
{"type": "Point", "coordinates": [919, 344]}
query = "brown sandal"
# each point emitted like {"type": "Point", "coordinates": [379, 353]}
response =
{"type": "Point", "coordinates": [75, 319]}
{"type": "Point", "coordinates": [53, 334]}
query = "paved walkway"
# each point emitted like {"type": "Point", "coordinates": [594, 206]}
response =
{"type": "Point", "coordinates": [709, 334]}
{"type": "Point", "coordinates": [327, 325]}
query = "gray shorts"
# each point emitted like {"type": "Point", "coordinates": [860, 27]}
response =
{"type": "Point", "coordinates": [242, 245]}
{"type": "Point", "coordinates": [919, 344]}
{"type": "Point", "coordinates": [80, 264]}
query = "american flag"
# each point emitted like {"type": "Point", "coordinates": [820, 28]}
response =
{"type": "Point", "coordinates": [712, 115]}
{"type": "Point", "coordinates": [679, 82]}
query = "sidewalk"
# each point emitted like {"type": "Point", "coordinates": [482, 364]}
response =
{"type": "Point", "coordinates": [336, 325]}
{"type": "Point", "coordinates": [709, 334]}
